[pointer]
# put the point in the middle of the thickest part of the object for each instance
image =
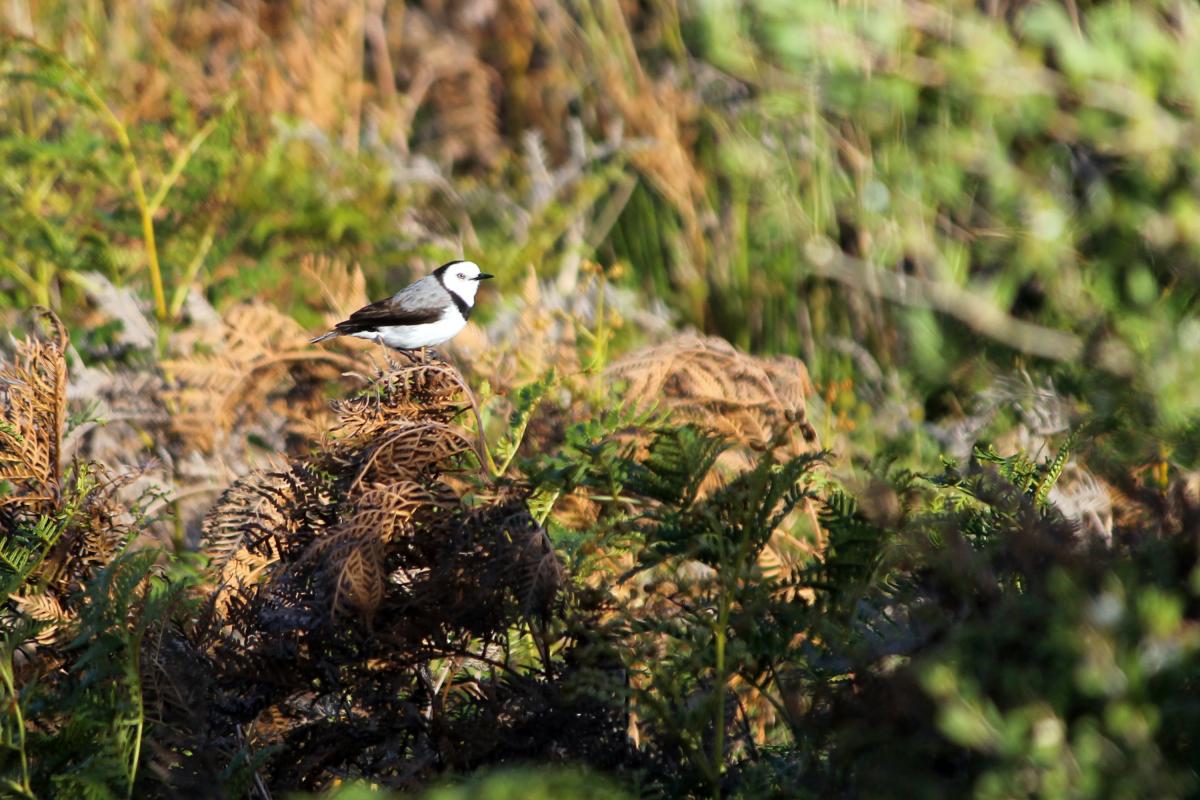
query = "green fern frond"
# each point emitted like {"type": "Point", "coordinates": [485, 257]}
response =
{"type": "Point", "coordinates": [678, 461]}
{"type": "Point", "coordinates": [853, 555]}
{"type": "Point", "coordinates": [526, 402]}
{"type": "Point", "coordinates": [1054, 470]}
{"type": "Point", "coordinates": [23, 550]}
{"type": "Point", "coordinates": [1017, 469]}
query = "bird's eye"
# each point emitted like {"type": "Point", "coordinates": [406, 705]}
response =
{"type": "Point", "coordinates": [462, 276]}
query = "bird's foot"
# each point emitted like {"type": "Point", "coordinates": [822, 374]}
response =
{"type": "Point", "coordinates": [415, 358]}
{"type": "Point", "coordinates": [423, 356]}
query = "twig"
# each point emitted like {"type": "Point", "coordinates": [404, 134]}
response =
{"type": "Point", "coordinates": [611, 211]}
{"type": "Point", "coordinates": [973, 310]}
{"type": "Point", "coordinates": [436, 689]}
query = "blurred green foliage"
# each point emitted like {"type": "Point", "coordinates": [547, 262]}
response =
{"type": "Point", "coordinates": [506, 784]}
{"type": "Point", "coordinates": [1027, 169]}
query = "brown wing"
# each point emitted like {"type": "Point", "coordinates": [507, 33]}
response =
{"type": "Point", "coordinates": [386, 313]}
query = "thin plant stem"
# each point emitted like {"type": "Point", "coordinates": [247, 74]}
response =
{"type": "Point", "coordinates": [485, 454]}
{"type": "Point", "coordinates": [139, 193]}
{"type": "Point", "coordinates": [193, 268]}
{"type": "Point", "coordinates": [9, 685]}
{"type": "Point", "coordinates": [135, 173]}
{"type": "Point", "coordinates": [541, 518]}
{"type": "Point", "coordinates": [186, 154]}
{"type": "Point", "coordinates": [21, 276]}
{"type": "Point", "coordinates": [718, 753]}
{"type": "Point", "coordinates": [139, 727]}
{"type": "Point", "coordinates": [518, 437]}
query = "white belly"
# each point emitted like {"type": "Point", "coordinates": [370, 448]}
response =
{"type": "Point", "coordinates": [411, 337]}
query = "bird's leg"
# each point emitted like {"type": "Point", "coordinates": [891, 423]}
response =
{"type": "Point", "coordinates": [388, 364]}
{"type": "Point", "coordinates": [414, 358]}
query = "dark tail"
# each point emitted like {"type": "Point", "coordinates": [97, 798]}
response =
{"type": "Point", "coordinates": [329, 335]}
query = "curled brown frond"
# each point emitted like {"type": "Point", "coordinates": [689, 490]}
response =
{"type": "Point", "coordinates": [709, 383]}
{"type": "Point", "coordinates": [754, 402]}
{"type": "Point", "coordinates": [46, 608]}
{"type": "Point", "coordinates": [427, 392]}
{"type": "Point", "coordinates": [411, 451]}
{"type": "Point", "coordinates": [353, 555]}
{"type": "Point", "coordinates": [255, 519]}
{"type": "Point", "coordinates": [338, 579]}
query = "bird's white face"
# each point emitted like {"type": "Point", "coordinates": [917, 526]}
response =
{"type": "Point", "coordinates": [463, 279]}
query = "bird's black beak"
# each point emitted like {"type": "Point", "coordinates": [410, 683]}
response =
{"type": "Point", "coordinates": [483, 276]}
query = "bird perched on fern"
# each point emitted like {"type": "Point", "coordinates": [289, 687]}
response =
{"type": "Point", "coordinates": [424, 314]}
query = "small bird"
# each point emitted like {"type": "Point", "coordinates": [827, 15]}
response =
{"type": "Point", "coordinates": [428, 312]}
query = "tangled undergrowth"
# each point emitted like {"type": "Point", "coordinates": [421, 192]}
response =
{"type": "Point", "coordinates": [354, 589]}
{"type": "Point", "coordinates": [63, 524]}
{"type": "Point", "coordinates": [650, 572]}
{"type": "Point", "coordinates": [382, 607]}
{"type": "Point", "coordinates": [645, 567]}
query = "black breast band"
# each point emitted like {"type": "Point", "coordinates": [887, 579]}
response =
{"type": "Point", "coordinates": [463, 308]}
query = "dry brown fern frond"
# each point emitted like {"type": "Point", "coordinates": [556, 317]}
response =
{"type": "Point", "coordinates": [492, 555]}
{"type": "Point", "coordinates": [100, 522]}
{"type": "Point", "coordinates": [33, 415]}
{"type": "Point", "coordinates": [342, 290]}
{"type": "Point", "coordinates": [305, 64]}
{"type": "Point", "coordinates": [92, 527]}
{"type": "Point", "coordinates": [258, 519]}
{"type": "Point", "coordinates": [33, 418]}
{"type": "Point", "coordinates": [417, 392]}
{"type": "Point", "coordinates": [349, 513]}
{"type": "Point", "coordinates": [409, 452]}
{"type": "Point", "coordinates": [707, 382]}
{"type": "Point", "coordinates": [232, 373]}
{"type": "Point", "coordinates": [443, 68]}
{"type": "Point", "coordinates": [353, 555]}
{"type": "Point", "coordinates": [755, 403]}
{"type": "Point", "coordinates": [46, 608]}
{"type": "Point", "coordinates": [656, 110]}
{"type": "Point", "coordinates": [60, 525]}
